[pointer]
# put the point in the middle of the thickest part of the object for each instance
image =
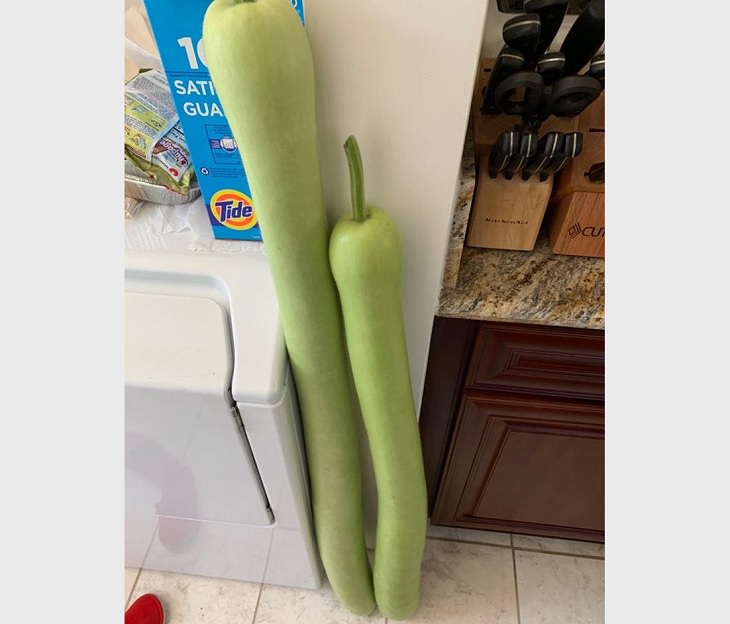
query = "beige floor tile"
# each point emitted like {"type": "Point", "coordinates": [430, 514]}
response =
{"type": "Point", "coordinates": [559, 589]}
{"type": "Point", "coordinates": [130, 577]}
{"type": "Point", "coordinates": [188, 599]}
{"type": "Point", "coordinates": [288, 605]}
{"type": "Point", "coordinates": [464, 583]}
{"type": "Point", "coordinates": [469, 535]}
{"type": "Point", "coordinates": [567, 547]}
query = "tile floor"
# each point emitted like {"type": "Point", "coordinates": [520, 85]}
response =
{"type": "Point", "coordinates": [468, 577]}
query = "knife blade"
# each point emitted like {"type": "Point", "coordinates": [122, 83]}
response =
{"type": "Point", "coordinates": [527, 149]}
{"type": "Point", "coordinates": [549, 146]}
{"type": "Point", "coordinates": [585, 37]}
{"type": "Point", "coordinates": [508, 62]}
{"type": "Point", "coordinates": [522, 33]}
{"type": "Point", "coordinates": [505, 147]}
{"type": "Point", "coordinates": [572, 147]}
{"type": "Point", "coordinates": [551, 14]}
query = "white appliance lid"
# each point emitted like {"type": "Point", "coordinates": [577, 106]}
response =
{"type": "Point", "coordinates": [234, 274]}
{"type": "Point", "coordinates": [176, 342]}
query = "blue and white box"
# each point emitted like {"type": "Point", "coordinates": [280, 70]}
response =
{"type": "Point", "coordinates": [177, 26]}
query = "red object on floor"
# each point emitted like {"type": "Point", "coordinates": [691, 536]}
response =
{"type": "Point", "coordinates": [147, 609]}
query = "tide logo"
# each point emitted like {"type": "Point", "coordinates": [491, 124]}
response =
{"type": "Point", "coordinates": [233, 209]}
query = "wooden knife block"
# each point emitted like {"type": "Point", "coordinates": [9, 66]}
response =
{"type": "Point", "coordinates": [507, 214]}
{"type": "Point", "coordinates": [576, 214]}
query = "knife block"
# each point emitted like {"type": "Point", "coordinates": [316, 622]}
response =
{"type": "Point", "coordinates": [576, 214]}
{"type": "Point", "coordinates": [507, 214]}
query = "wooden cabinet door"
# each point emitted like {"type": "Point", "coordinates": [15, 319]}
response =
{"type": "Point", "coordinates": [525, 465]}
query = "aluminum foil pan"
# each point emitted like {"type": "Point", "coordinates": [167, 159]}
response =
{"type": "Point", "coordinates": [138, 185]}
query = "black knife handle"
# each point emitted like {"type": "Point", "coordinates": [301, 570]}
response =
{"type": "Point", "coordinates": [506, 146]}
{"type": "Point", "coordinates": [522, 33]}
{"type": "Point", "coordinates": [551, 67]}
{"type": "Point", "coordinates": [597, 68]}
{"type": "Point", "coordinates": [573, 144]}
{"type": "Point", "coordinates": [555, 165]}
{"type": "Point", "coordinates": [549, 146]}
{"type": "Point", "coordinates": [572, 147]}
{"type": "Point", "coordinates": [552, 13]}
{"type": "Point", "coordinates": [528, 86]}
{"type": "Point", "coordinates": [597, 172]}
{"type": "Point", "coordinates": [585, 37]}
{"type": "Point", "coordinates": [508, 62]}
{"type": "Point", "coordinates": [571, 95]}
{"type": "Point", "coordinates": [527, 149]}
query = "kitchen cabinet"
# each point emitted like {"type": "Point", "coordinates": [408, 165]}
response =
{"type": "Point", "coordinates": [512, 423]}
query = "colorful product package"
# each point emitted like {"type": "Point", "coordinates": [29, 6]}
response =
{"type": "Point", "coordinates": [177, 26]}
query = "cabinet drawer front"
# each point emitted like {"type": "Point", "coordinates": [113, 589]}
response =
{"type": "Point", "coordinates": [525, 466]}
{"type": "Point", "coordinates": [542, 360]}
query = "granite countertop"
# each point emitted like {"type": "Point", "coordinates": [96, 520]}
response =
{"type": "Point", "coordinates": [517, 286]}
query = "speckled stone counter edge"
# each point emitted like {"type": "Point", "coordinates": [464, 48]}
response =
{"type": "Point", "coordinates": [517, 286]}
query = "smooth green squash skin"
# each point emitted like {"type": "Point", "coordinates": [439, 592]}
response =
{"type": "Point", "coordinates": [366, 256]}
{"type": "Point", "coordinates": [260, 62]}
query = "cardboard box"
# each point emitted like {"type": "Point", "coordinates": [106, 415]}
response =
{"type": "Point", "coordinates": [177, 26]}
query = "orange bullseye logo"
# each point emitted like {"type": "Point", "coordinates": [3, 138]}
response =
{"type": "Point", "coordinates": [233, 209]}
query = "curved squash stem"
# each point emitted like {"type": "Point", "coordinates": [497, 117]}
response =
{"type": "Point", "coordinates": [357, 185]}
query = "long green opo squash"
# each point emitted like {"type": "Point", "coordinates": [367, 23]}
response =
{"type": "Point", "coordinates": [366, 257]}
{"type": "Point", "coordinates": [261, 65]}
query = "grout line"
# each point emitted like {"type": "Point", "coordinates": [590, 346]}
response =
{"type": "Point", "coordinates": [467, 541]}
{"type": "Point", "coordinates": [141, 568]}
{"type": "Point", "coordinates": [520, 548]}
{"type": "Point", "coordinates": [128, 600]}
{"type": "Point", "coordinates": [517, 590]}
{"type": "Point", "coordinates": [562, 553]}
{"type": "Point", "coordinates": [258, 600]}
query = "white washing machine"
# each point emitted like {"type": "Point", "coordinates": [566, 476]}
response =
{"type": "Point", "coordinates": [215, 471]}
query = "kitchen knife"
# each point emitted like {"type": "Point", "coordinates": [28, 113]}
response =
{"type": "Point", "coordinates": [585, 37]}
{"type": "Point", "coordinates": [520, 93]}
{"type": "Point", "coordinates": [527, 149]}
{"type": "Point", "coordinates": [572, 147]}
{"type": "Point", "coordinates": [505, 147]}
{"type": "Point", "coordinates": [569, 96]}
{"type": "Point", "coordinates": [550, 66]}
{"type": "Point", "coordinates": [597, 172]}
{"type": "Point", "coordinates": [508, 62]}
{"type": "Point", "coordinates": [551, 13]}
{"type": "Point", "coordinates": [522, 33]}
{"type": "Point", "coordinates": [549, 146]}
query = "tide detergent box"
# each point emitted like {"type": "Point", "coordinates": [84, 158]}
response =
{"type": "Point", "coordinates": [177, 26]}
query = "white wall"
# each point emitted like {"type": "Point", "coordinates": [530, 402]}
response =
{"type": "Point", "coordinates": [399, 76]}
